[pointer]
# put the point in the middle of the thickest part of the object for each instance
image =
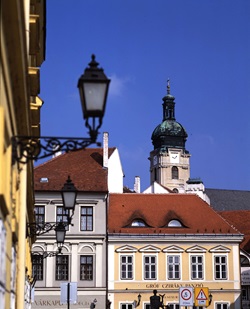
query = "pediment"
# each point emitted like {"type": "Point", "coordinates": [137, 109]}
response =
{"type": "Point", "coordinates": [173, 249]}
{"type": "Point", "coordinates": [197, 249]}
{"type": "Point", "coordinates": [150, 249]}
{"type": "Point", "coordinates": [220, 249]}
{"type": "Point", "coordinates": [126, 248]}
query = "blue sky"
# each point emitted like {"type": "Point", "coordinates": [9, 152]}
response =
{"type": "Point", "coordinates": [202, 46]}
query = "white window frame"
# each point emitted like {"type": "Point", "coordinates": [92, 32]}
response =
{"type": "Point", "coordinates": [214, 265]}
{"type": "Point", "coordinates": [156, 266]}
{"type": "Point", "coordinates": [167, 268]}
{"type": "Point", "coordinates": [126, 304]}
{"type": "Point", "coordinates": [127, 264]}
{"type": "Point", "coordinates": [174, 305]}
{"type": "Point", "coordinates": [197, 265]}
{"type": "Point", "coordinates": [221, 303]}
{"type": "Point", "coordinates": [63, 214]}
{"type": "Point", "coordinates": [93, 218]}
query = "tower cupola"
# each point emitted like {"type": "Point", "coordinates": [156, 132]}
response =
{"type": "Point", "coordinates": [170, 133]}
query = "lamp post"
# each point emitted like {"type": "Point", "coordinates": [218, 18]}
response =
{"type": "Point", "coordinates": [93, 88]}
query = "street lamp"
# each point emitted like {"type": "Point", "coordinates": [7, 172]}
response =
{"type": "Point", "coordinates": [60, 235]}
{"type": "Point", "coordinates": [69, 194]}
{"type": "Point", "coordinates": [210, 298]}
{"type": "Point", "coordinates": [93, 87]}
{"type": "Point", "coordinates": [137, 302]}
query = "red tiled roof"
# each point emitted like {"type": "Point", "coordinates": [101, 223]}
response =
{"type": "Point", "coordinates": [241, 220]}
{"type": "Point", "coordinates": [156, 210]}
{"type": "Point", "coordinates": [85, 168]}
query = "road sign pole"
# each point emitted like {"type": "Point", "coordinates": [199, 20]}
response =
{"type": "Point", "coordinates": [68, 295]}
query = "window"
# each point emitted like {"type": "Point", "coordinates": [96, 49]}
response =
{"type": "Point", "coordinates": [150, 267]}
{"type": "Point", "coordinates": [37, 266]}
{"type": "Point", "coordinates": [3, 246]}
{"type": "Point", "coordinates": [222, 306]}
{"type": "Point", "coordinates": [126, 267]}
{"type": "Point", "coordinates": [175, 173]}
{"type": "Point", "coordinates": [220, 266]}
{"type": "Point", "coordinates": [244, 261]}
{"type": "Point", "coordinates": [155, 174]}
{"type": "Point", "coordinates": [127, 306]}
{"type": "Point", "coordinates": [138, 222]}
{"type": "Point", "coordinates": [174, 223]}
{"type": "Point", "coordinates": [62, 215]}
{"type": "Point", "coordinates": [40, 214]}
{"type": "Point", "coordinates": [245, 292]}
{"type": "Point", "coordinates": [197, 267]}
{"type": "Point", "coordinates": [62, 267]}
{"type": "Point", "coordinates": [173, 306]}
{"type": "Point", "coordinates": [86, 218]}
{"type": "Point", "coordinates": [86, 267]}
{"type": "Point", "coordinates": [173, 267]}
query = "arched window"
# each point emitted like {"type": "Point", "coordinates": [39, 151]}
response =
{"type": "Point", "coordinates": [175, 172]}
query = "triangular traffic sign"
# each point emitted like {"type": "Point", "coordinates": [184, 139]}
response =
{"type": "Point", "coordinates": [201, 295]}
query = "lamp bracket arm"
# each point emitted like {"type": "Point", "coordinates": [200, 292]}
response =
{"type": "Point", "coordinates": [37, 229]}
{"type": "Point", "coordinates": [25, 148]}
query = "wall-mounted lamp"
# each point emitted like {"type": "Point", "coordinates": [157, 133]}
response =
{"type": "Point", "coordinates": [69, 195]}
{"type": "Point", "coordinates": [93, 87]}
{"type": "Point", "coordinates": [92, 305]}
{"type": "Point", "coordinates": [137, 302]}
{"type": "Point", "coordinates": [60, 237]}
{"type": "Point", "coordinates": [210, 298]}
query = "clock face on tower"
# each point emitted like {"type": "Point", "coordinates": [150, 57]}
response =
{"type": "Point", "coordinates": [174, 157]}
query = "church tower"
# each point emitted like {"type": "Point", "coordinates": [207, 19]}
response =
{"type": "Point", "coordinates": [169, 161]}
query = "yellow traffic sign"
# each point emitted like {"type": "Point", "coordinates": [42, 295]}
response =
{"type": "Point", "coordinates": [201, 297]}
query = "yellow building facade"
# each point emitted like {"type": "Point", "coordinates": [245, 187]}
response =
{"type": "Point", "coordinates": [22, 35]}
{"type": "Point", "coordinates": [167, 243]}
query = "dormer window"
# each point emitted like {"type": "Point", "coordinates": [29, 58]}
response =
{"type": "Point", "coordinates": [174, 223]}
{"type": "Point", "coordinates": [138, 223]}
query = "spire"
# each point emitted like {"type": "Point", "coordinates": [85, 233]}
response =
{"type": "Point", "coordinates": [168, 86]}
{"type": "Point", "coordinates": [168, 105]}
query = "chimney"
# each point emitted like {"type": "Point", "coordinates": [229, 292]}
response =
{"type": "Point", "coordinates": [137, 185]}
{"type": "Point", "coordinates": [105, 149]}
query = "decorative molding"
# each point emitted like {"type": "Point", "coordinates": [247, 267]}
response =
{"type": "Point", "coordinates": [197, 249]}
{"type": "Point", "coordinates": [150, 248]}
{"type": "Point", "coordinates": [126, 248]}
{"type": "Point", "coordinates": [220, 249]}
{"type": "Point", "coordinates": [173, 249]}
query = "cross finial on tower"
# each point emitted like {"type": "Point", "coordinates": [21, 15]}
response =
{"type": "Point", "coordinates": [168, 86]}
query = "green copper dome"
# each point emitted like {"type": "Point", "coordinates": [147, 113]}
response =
{"type": "Point", "coordinates": [170, 133]}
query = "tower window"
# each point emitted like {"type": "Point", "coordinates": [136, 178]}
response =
{"type": "Point", "coordinates": [175, 172]}
{"type": "Point", "coordinates": [155, 174]}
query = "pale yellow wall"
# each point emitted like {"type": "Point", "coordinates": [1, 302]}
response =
{"type": "Point", "coordinates": [16, 188]}
{"type": "Point", "coordinates": [222, 290]}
